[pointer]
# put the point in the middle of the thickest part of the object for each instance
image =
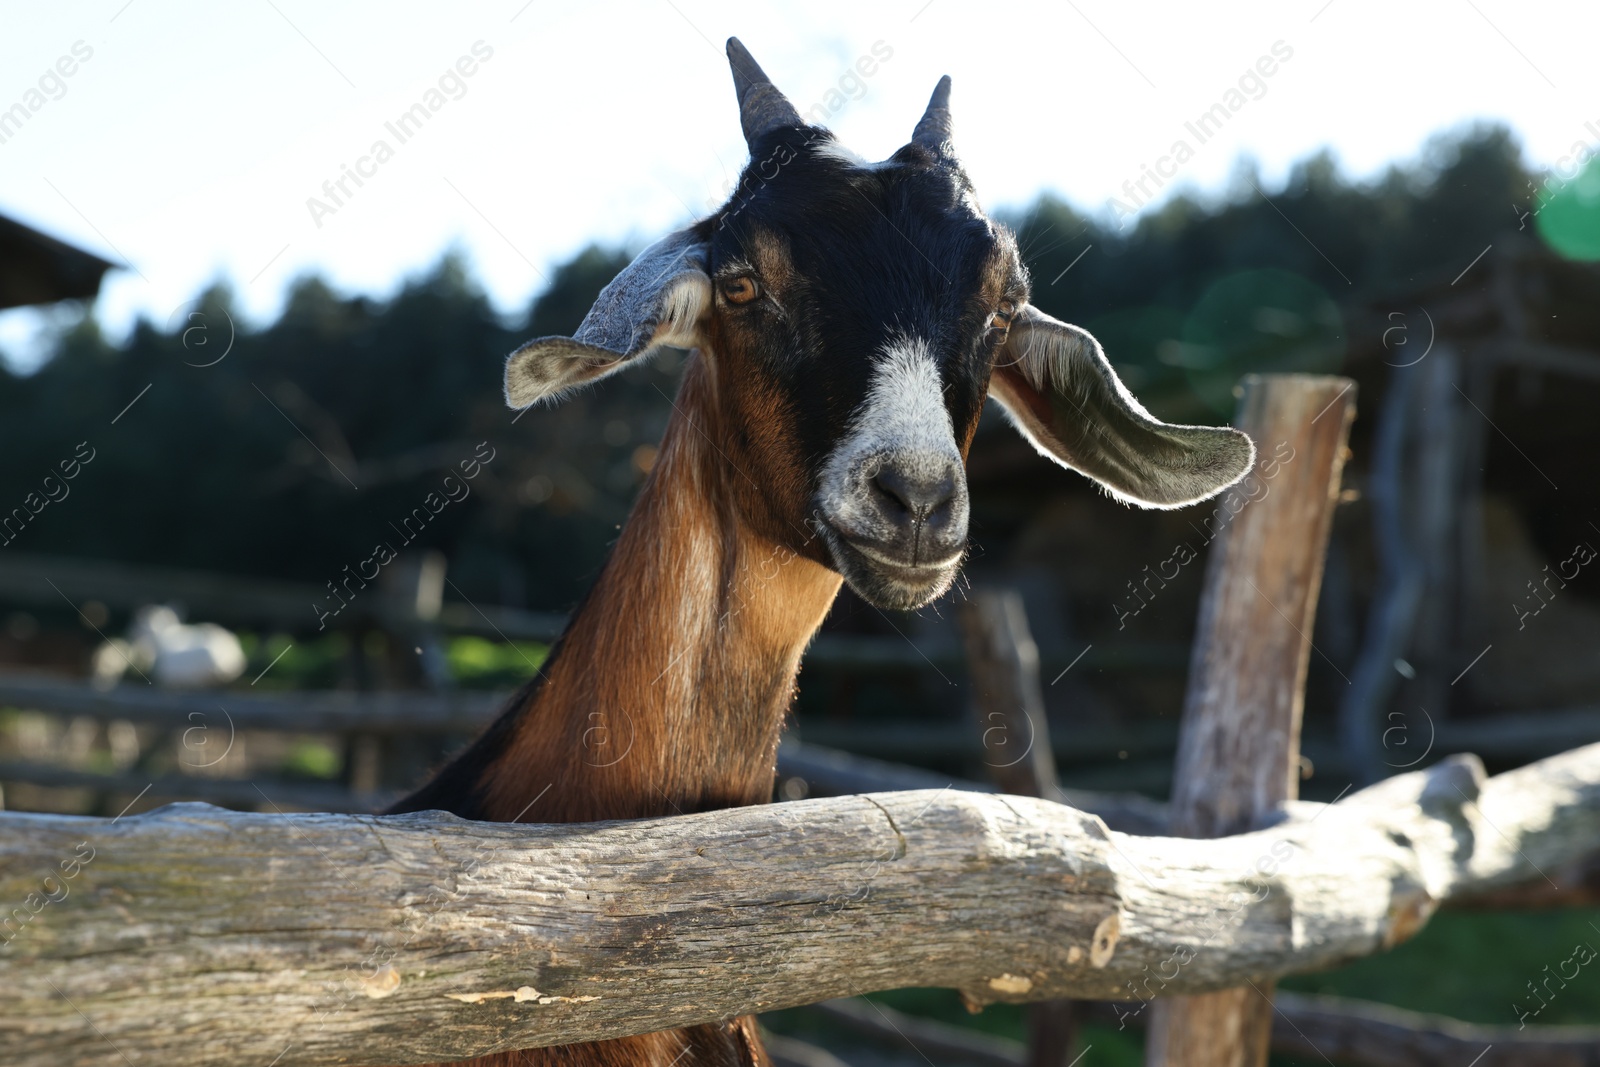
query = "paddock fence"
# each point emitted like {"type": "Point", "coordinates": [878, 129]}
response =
{"type": "Point", "coordinates": [191, 934]}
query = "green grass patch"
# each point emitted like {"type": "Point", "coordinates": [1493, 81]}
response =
{"type": "Point", "coordinates": [318, 663]}
{"type": "Point", "coordinates": [324, 662]}
{"type": "Point", "coordinates": [477, 663]}
{"type": "Point", "coordinates": [311, 759]}
{"type": "Point", "coordinates": [1475, 966]}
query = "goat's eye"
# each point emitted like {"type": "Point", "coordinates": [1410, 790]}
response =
{"type": "Point", "coordinates": [1001, 320]}
{"type": "Point", "coordinates": [741, 290]}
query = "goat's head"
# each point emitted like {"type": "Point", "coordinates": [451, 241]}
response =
{"type": "Point", "coordinates": [855, 316]}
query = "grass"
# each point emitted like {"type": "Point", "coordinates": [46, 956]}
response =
{"type": "Point", "coordinates": [278, 664]}
{"type": "Point", "coordinates": [311, 759]}
{"type": "Point", "coordinates": [315, 664]}
{"type": "Point", "coordinates": [477, 663]}
{"type": "Point", "coordinates": [1474, 966]}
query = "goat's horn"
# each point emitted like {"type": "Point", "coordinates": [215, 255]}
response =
{"type": "Point", "coordinates": [762, 108]}
{"type": "Point", "coordinates": [933, 131]}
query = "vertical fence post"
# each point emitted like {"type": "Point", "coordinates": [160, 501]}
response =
{"type": "Point", "coordinates": [1239, 743]}
{"type": "Point", "coordinates": [1008, 704]}
{"type": "Point", "coordinates": [1007, 697]}
{"type": "Point", "coordinates": [1413, 477]}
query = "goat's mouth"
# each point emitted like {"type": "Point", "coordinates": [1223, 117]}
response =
{"type": "Point", "coordinates": [884, 580]}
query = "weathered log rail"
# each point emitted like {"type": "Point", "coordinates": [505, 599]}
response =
{"type": "Point", "coordinates": [191, 934]}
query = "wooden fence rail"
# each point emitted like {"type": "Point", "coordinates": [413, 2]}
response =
{"type": "Point", "coordinates": [42, 581]}
{"type": "Point", "coordinates": [1525, 735]}
{"type": "Point", "coordinates": [323, 939]}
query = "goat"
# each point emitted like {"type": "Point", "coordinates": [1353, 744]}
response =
{"type": "Point", "coordinates": [180, 655]}
{"type": "Point", "coordinates": [846, 322]}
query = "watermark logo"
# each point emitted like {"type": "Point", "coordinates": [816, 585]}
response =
{"type": "Point", "coordinates": [1398, 736]}
{"type": "Point", "coordinates": [451, 85]}
{"type": "Point", "coordinates": [604, 744]}
{"type": "Point", "coordinates": [1566, 170]}
{"type": "Point", "coordinates": [207, 751]}
{"type": "Point", "coordinates": [1253, 488]}
{"type": "Point", "coordinates": [50, 86]}
{"type": "Point", "coordinates": [1582, 554]}
{"type": "Point", "coordinates": [1280, 854]}
{"type": "Point", "coordinates": [1251, 85]}
{"type": "Point", "coordinates": [1583, 954]}
{"type": "Point", "coordinates": [997, 739]}
{"type": "Point", "coordinates": [455, 489]}
{"type": "Point", "coordinates": [193, 322]}
{"type": "Point", "coordinates": [53, 489]}
{"type": "Point", "coordinates": [1397, 339]}
{"type": "Point", "coordinates": [53, 889]}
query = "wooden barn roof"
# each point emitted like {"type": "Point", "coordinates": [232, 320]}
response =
{"type": "Point", "coordinates": [38, 269]}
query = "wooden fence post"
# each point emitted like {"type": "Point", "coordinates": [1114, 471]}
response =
{"type": "Point", "coordinates": [1007, 699]}
{"type": "Point", "coordinates": [1239, 744]}
{"type": "Point", "coordinates": [1008, 704]}
{"type": "Point", "coordinates": [1413, 477]}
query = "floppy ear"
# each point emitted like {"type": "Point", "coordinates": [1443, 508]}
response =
{"type": "Point", "coordinates": [1060, 391]}
{"type": "Point", "coordinates": [658, 300]}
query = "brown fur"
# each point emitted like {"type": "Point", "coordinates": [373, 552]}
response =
{"type": "Point", "coordinates": [734, 1044]}
{"type": "Point", "coordinates": [673, 680]}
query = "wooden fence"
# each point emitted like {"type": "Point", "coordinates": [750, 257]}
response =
{"type": "Point", "coordinates": [191, 934]}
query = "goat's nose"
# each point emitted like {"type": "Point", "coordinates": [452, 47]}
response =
{"type": "Point", "coordinates": [916, 497]}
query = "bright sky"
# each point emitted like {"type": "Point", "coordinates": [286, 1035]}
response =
{"type": "Point", "coordinates": [189, 141]}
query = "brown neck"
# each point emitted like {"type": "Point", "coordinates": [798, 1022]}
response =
{"type": "Point", "coordinates": [670, 685]}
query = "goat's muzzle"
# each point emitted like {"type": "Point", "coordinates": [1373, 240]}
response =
{"type": "Point", "coordinates": [897, 525]}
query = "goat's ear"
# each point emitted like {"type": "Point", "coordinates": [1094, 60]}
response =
{"type": "Point", "coordinates": [1061, 393]}
{"type": "Point", "coordinates": [659, 300]}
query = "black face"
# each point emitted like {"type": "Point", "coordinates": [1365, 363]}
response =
{"type": "Point", "coordinates": [850, 316]}
{"type": "Point", "coordinates": [857, 308]}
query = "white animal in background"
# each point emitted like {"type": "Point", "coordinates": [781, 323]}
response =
{"type": "Point", "coordinates": [171, 652]}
